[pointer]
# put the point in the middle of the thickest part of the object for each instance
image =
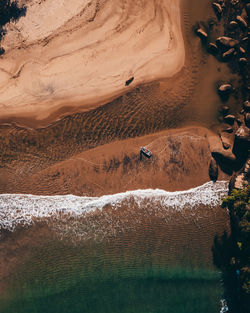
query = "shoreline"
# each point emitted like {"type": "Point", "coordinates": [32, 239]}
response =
{"type": "Point", "coordinates": [29, 207]}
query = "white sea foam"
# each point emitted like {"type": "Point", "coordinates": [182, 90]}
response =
{"type": "Point", "coordinates": [22, 209]}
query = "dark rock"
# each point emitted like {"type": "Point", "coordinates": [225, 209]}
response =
{"type": "Point", "coordinates": [225, 89]}
{"type": "Point", "coordinates": [225, 109]}
{"type": "Point", "coordinates": [241, 145]}
{"type": "Point", "coordinates": [201, 33]}
{"type": "Point", "coordinates": [129, 81]}
{"type": "Point", "coordinates": [239, 121]}
{"type": "Point", "coordinates": [217, 8]}
{"type": "Point", "coordinates": [233, 25]}
{"type": "Point", "coordinates": [246, 106]}
{"type": "Point", "coordinates": [247, 119]}
{"type": "Point", "coordinates": [248, 9]}
{"type": "Point", "coordinates": [212, 48]}
{"type": "Point", "coordinates": [2, 51]}
{"type": "Point", "coordinates": [228, 154]}
{"type": "Point", "coordinates": [228, 130]}
{"type": "Point", "coordinates": [225, 159]}
{"type": "Point", "coordinates": [241, 22]}
{"type": "Point", "coordinates": [226, 55]}
{"type": "Point", "coordinates": [225, 142]}
{"type": "Point", "coordinates": [244, 40]}
{"type": "Point", "coordinates": [213, 170]}
{"type": "Point", "coordinates": [229, 119]}
{"type": "Point", "coordinates": [227, 42]}
{"type": "Point", "coordinates": [242, 61]}
{"type": "Point", "coordinates": [226, 145]}
{"type": "Point", "coordinates": [242, 51]}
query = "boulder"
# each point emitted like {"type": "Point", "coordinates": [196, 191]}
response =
{"type": "Point", "coordinates": [225, 142]}
{"type": "Point", "coordinates": [201, 33]}
{"type": "Point", "coordinates": [242, 134]}
{"type": "Point", "coordinates": [246, 106]}
{"type": "Point", "coordinates": [239, 121]}
{"type": "Point", "coordinates": [225, 109]}
{"type": "Point", "coordinates": [227, 42]}
{"type": "Point", "coordinates": [241, 21]}
{"type": "Point", "coordinates": [242, 51]}
{"type": "Point", "coordinates": [212, 48]}
{"type": "Point", "coordinates": [226, 145]}
{"type": "Point", "coordinates": [213, 170]}
{"type": "Point", "coordinates": [248, 9]}
{"type": "Point", "coordinates": [247, 119]}
{"type": "Point", "coordinates": [223, 155]}
{"type": "Point", "coordinates": [225, 89]}
{"type": "Point", "coordinates": [226, 55]}
{"type": "Point", "coordinates": [229, 119]}
{"type": "Point", "coordinates": [233, 25]}
{"type": "Point", "coordinates": [228, 130]}
{"type": "Point", "coordinates": [242, 61]}
{"type": "Point", "coordinates": [217, 8]}
{"type": "Point", "coordinates": [2, 51]}
{"type": "Point", "coordinates": [244, 40]}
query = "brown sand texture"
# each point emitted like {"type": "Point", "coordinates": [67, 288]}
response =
{"type": "Point", "coordinates": [68, 123]}
{"type": "Point", "coordinates": [82, 52]}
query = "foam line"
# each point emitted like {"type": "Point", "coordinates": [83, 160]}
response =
{"type": "Point", "coordinates": [21, 209]}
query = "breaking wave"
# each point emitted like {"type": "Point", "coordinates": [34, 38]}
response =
{"type": "Point", "coordinates": [22, 209]}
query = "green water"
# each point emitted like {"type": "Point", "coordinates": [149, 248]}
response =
{"type": "Point", "coordinates": [58, 277]}
{"type": "Point", "coordinates": [125, 295]}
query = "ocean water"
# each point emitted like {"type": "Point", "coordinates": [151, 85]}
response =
{"type": "Point", "coordinates": [139, 251]}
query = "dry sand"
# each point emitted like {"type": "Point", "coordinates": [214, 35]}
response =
{"type": "Point", "coordinates": [81, 53]}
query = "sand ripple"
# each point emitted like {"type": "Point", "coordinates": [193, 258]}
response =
{"type": "Point", "coordinates": [65, 52]}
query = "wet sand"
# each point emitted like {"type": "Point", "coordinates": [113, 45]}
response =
{"type": "Point", "coordinates": [180, 161]}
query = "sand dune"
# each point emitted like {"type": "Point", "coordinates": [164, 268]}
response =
{"type": "Point", "coordinates": [82, 52]}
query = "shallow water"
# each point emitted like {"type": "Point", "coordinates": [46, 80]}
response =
{"type": "Point", "coordinates": [140, 251]}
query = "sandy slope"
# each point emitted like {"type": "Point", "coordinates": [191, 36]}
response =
{"type": "Point", "coordinates": [83, 51]}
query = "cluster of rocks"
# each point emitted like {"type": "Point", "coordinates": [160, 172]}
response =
{"type": "Point", "coordinates": [233, 153]}
{"type": "Point", "coordinates": [231, 47]}
{"type": "Point", "coordinates": [233, 43]}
